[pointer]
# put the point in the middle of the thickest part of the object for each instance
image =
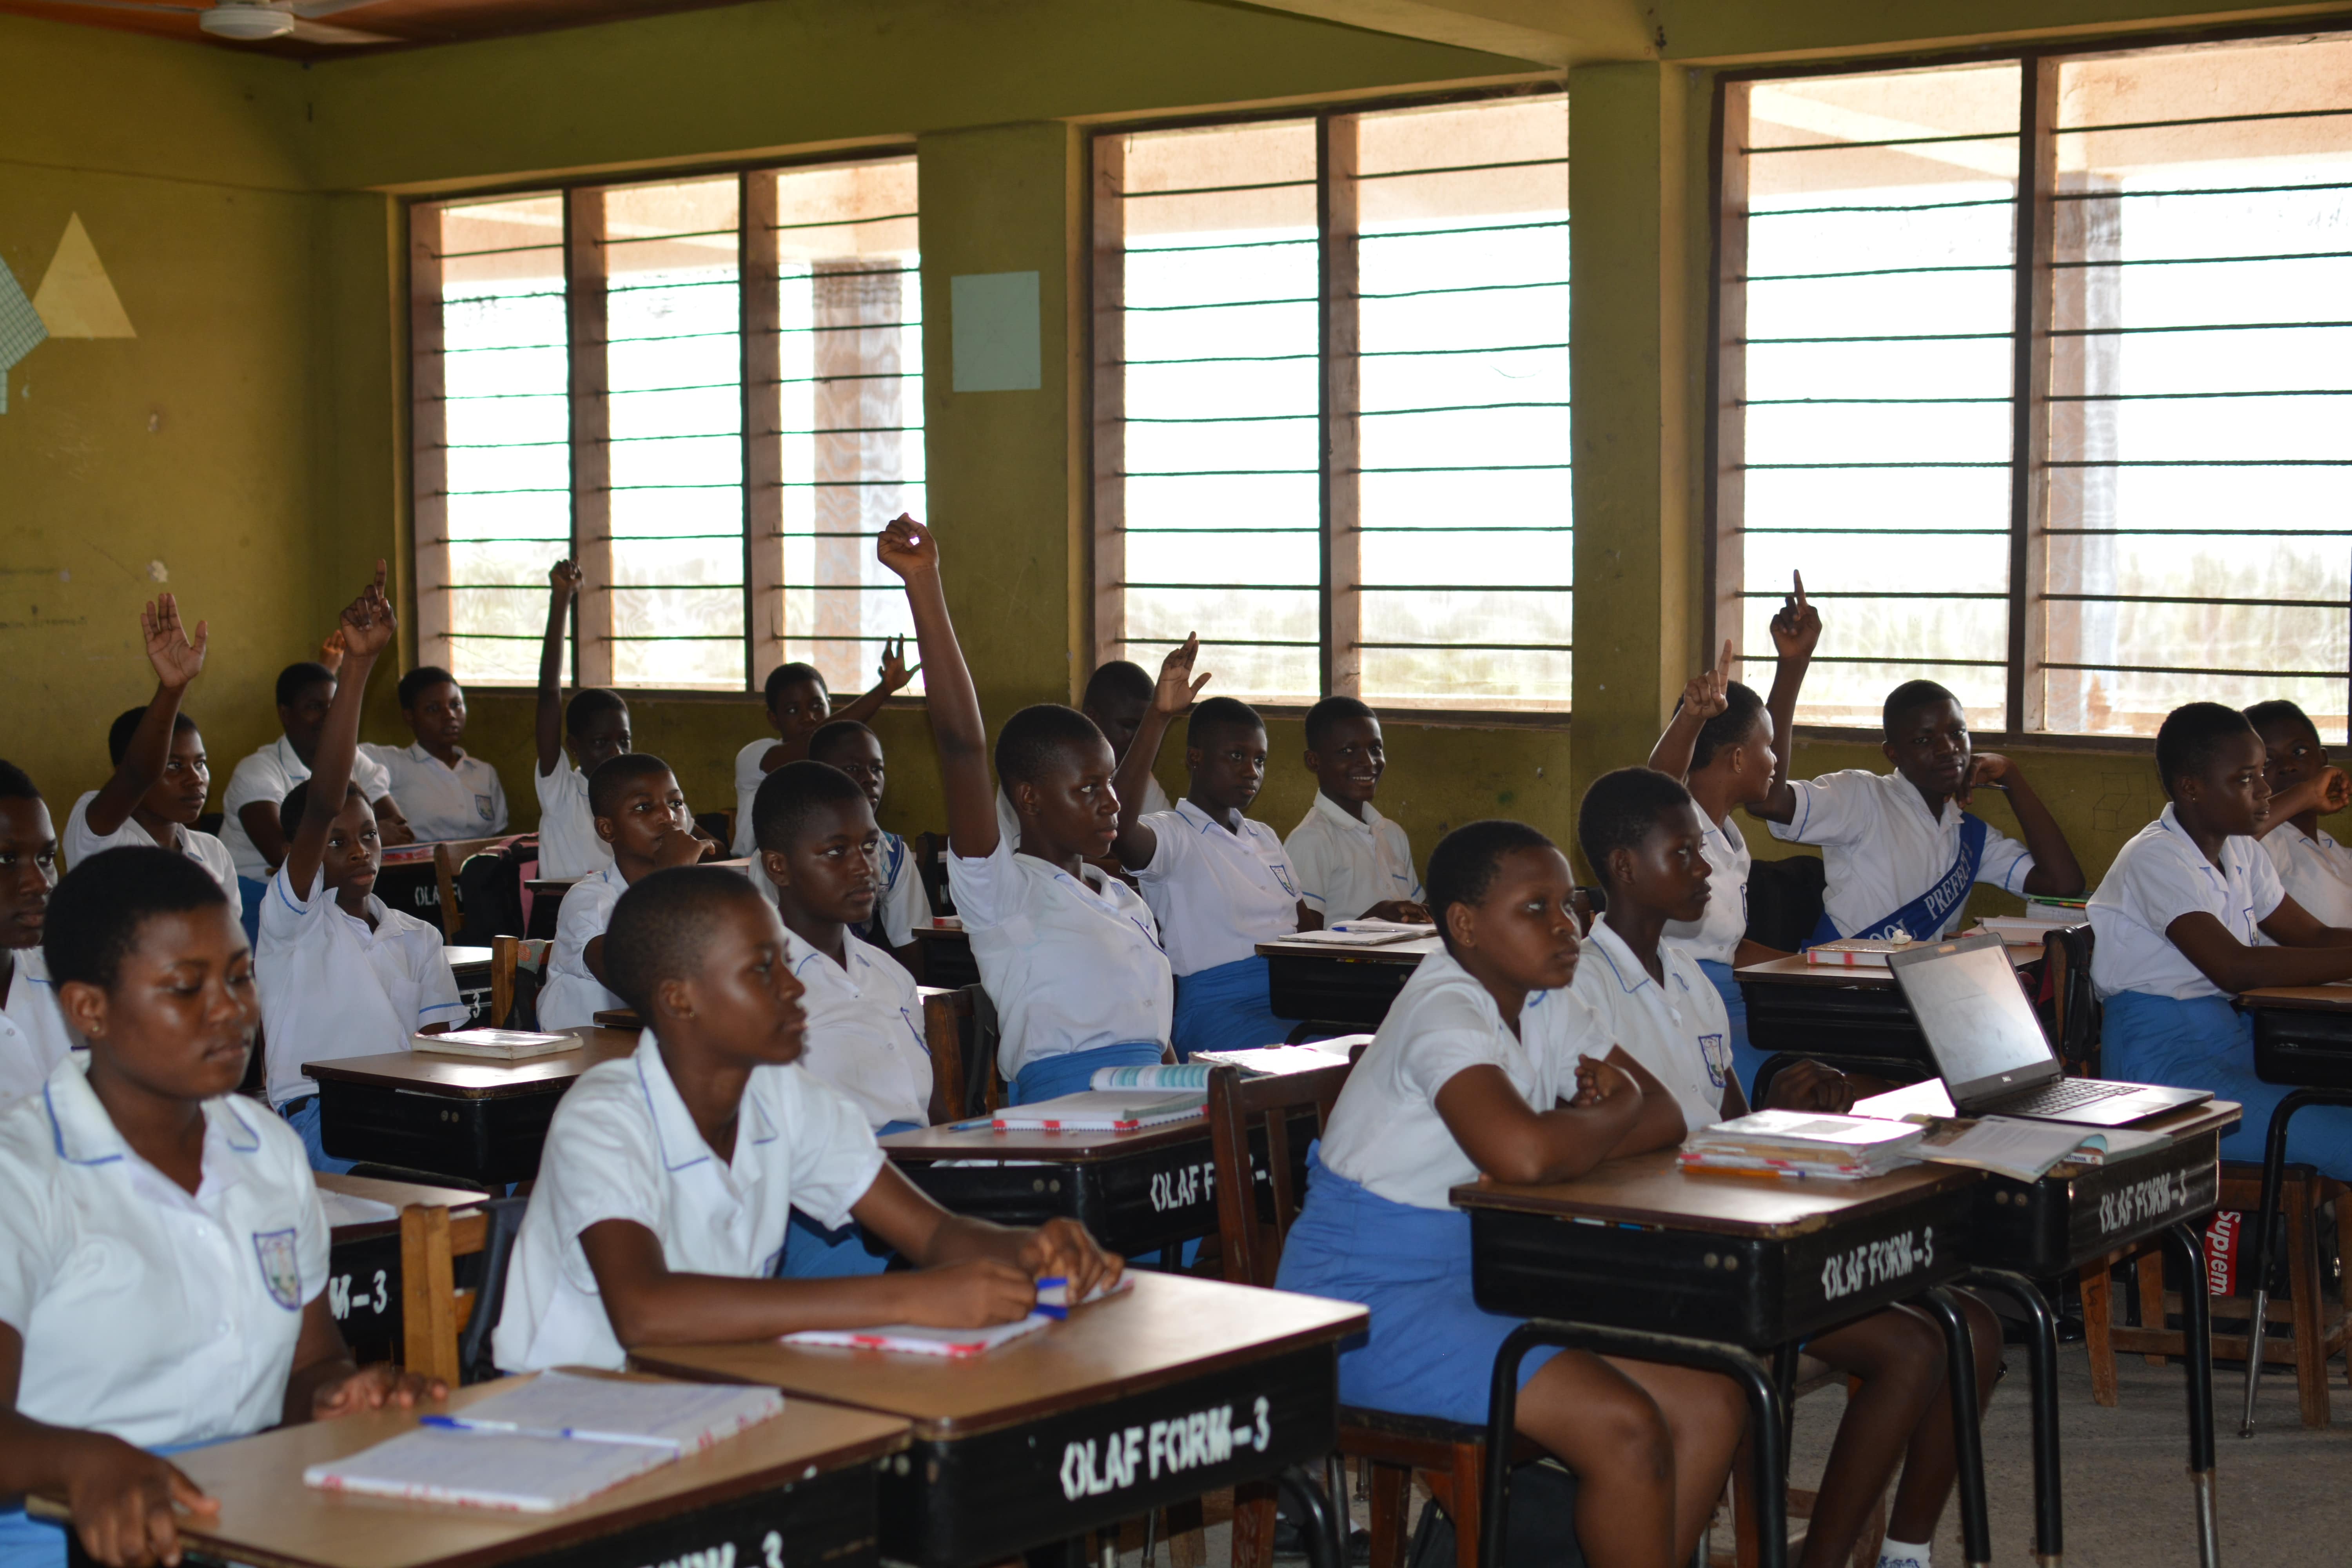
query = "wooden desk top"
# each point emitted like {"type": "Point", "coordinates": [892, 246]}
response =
{"type": "Point", "coordinates": [469, 1078]}
{"type": "Point", "coordinates": [2330, 998]}
{"type": "Point", "coordinates": [944, 1142]}
{"type": "Point", "coordinates": [268, 1518]}
{"type": "Point", "coordinates": [1169, 1327]}
{"type": "Point", "coordinates": [1794, 971]}
{"type": "Point", "coordinates": [399, 1194]}
{"type": "Point", "coordinates": [1653, 1190]}
{"type": "Point", "coordinates": [1927, 1098]}
{"type": "Point", "coordinates": [1409, 951]}
{"type": "Point", "coordinates": [931, 930]}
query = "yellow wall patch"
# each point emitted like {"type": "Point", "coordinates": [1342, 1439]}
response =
{"type": "Point", "coordinates": [75, 299]}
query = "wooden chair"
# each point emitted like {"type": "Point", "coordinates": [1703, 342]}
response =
{"type": "Point", "coordinates": [444, 1327]}
{"type": "Point", "coordinates": [960, 1032]}
{"type": "Point", "coordinates": [510, 955]}
{"type": "Point", "coordinates": [447, 855]}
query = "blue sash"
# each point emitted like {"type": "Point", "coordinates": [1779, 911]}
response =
{"type": "Point", "coordinates": [1050, 1078]}
{"type": "Point", "coordinates": [1924, 916]}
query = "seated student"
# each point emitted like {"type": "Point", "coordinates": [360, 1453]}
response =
{"type": "Point", "coordinates": [445, 792]}
{"type": "Point", "coordinates": [669, 1176]}
{"type": "Point", "coordinates": [342, 975]}
{"type": "Point", "coordinates": [799, 705]}
{"type": "Point", "coordinates": [1648, 846]}
{"type": "Point", "coordinates": [1116, 696]}
{"type": "Point", "coordinates": [160, 777]}
{"type": "Point", "coordinates": [1900, 851]}
{"type": "Point", "coordinates": [901, 905]}
{"type": "Point", "coordinates": [1068, 952]}
{"type": "Point", "coordinates": [1352, 862]}
{"type": "Point", "coordinates": [250, 825]}
{"type": "Point", "coordinates": [1218, 882]}
{"type": "Point", "coordinates": [574, 740]}
{"type": "Point", "coordinates": [34, 1037]}
{"type": "Point", "coordinates": [162, 1255]}
{"type": "Point", "coordinates": [2314, 869]}
{"type": "Point", "coordinates": [641, 814]}
{"type": "Point", "coordinates": [2174, 928]}
{"type": "Point", "coordinates": [819, 845]}
{"type": "Point", "coordinates": [1486, 1065]}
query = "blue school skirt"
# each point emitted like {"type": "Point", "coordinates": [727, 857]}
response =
{"type": "Point", "coordinates": [253, 893]}
{"type": "Point", "coordinates": [1744, 1058]}
{"type": "Point", "coordinates": [2204, 1043]}
{"type": "Point", "coordinates": [29, 1542]}
{"type": "Point", "coordinates": [1228, 1008]}
{"type": "Point", "coordinates": [1050, 1078]}
{"type": "Point", "coordinates": [812, 1252]}
{"type": "Point", "coordinates": [1431, 1348]}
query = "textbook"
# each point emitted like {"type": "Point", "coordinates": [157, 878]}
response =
{"type": "Point", "coordinates": [1103, 1110]}
{"type": "Point", "coordinates": [1382, 935]}
{"type": "Point", "coordinates": [549, 1443]}
{"type": "Point", "coordinates": [1858, 951]}
{"type": "Point", "coordinates": [2025, 928]}
{"type": "Point", "coordinates": [2007, 1146]}
{"type": "Point", "coordinates": [499, 1045]}
{"type": "Point", "coordinates": [958, 1344]}
{"type": "Point", "coordinates": [1801, 1143]}
{"type": "Point", "coordinates": [1159, 1075]}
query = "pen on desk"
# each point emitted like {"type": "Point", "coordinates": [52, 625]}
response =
{"type": "Point", "coordinates": [972, 1126]}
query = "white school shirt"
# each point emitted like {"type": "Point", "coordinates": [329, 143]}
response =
{"type": "Point", "coordinates": [623, 1146]}
{"type": "Point", "coordinates": [1072, 962]}
{"type": "Point", "coordinates": [573, 995]}
{"type": "Point", "coordinates": [332, 988]}
{"type": "Point", "coordinates": [2158, 878]}
{"type": "Point", "coordinates": [148, 1314]}
{"type": "Point", "coordinates": [748, 779]}
{"type": "Point", "coordinates": [568, 844]}
{"type": "Point", "coordinates": [1216, 894]}
{"type": "Point", "coordinates": [1679, 1030]}
{"type": "Point", "coordinates": [440, 801]}
{"type": "Point", "coordinates": [2315, 871]}
{"type": "Point", "coordinates": [1716, 936]}
{"type": "Point", "coordinates": [1880, 850]}
{"type": "Point", "coordinates": [267, 775]}
{"type": "Point", "coordinates": [1345, 867]}
{"type": "Point", "coordinates": [865, 1030]}
{"type": "Point", "coordinates": [202, 848]}
{"type": "Point", "coordinates": [1385, 1133]}
{"type": "Point", "coordinates": [34, 1034]}
{"type": "Point", "coordinates": [1008, 821]}
{"type": "Point", "coordinates": [901, 903]}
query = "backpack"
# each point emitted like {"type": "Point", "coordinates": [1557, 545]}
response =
{"type": "Point", "coordinates": [489, 891]}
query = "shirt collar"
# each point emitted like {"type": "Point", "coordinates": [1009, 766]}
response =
{"type": "Point", "coordinates": [1625, 969]}
{"type": "Point", "coordinates": [290, 760]}
{"type": "Point", "coordinates": [801, 955]}
{"type": "Point", "coordinates": [84, 1134]}
{"type": "Point", "coordinates": [1339, 815]}
{"type": "Point", "coordinates": [1917, 803]}
{"type": "Point", "coordinates": [682, 1144]}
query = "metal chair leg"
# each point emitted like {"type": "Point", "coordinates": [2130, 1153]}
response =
{"type": "Point", "coordinates": [2042, 1356]}
{"type": "Point", "coordinates": [2197, 1326]}
{"type": "Point", "coordinates": [1960, 1363]}
{"type": "Point", "coordinates": [2273, 1176]}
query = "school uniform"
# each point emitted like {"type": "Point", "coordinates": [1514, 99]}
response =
{"type": "Point", "coordinates": [1713, 940]}
{"type": "Point", "coordinates": [34, 1034]}
{"type": "Point", "coordinates": [440, 801]}
{"type": "Point", "coordinates": [1217, 894]}
{"type": "Point", "coordinates": [80, 843]}
{"type": "Point", "coordinates": [2164, 1021]}
{"type": "Point", "coordinates": [2315, 870]}
{"type": "Point", "coordinates": [1888, 862]}
{"type": "Point", "coordinates": [1072, 964]}
{"type": "Point", "coordinates": [1008, 821]}
{"type": "Point", "coordinates": [623, 1146]}
{"type": "Point", "coordinates": [1377, 1227]}
{"type": "Point", "coordinates": [1345, 867]}
{"type": "Point", "coordinates": [900, 901]}
{"type": "Point", "coordinates": [573, 995]}
{"type": "Point", "coordinates": [163, 1318]}
{"type": "Point", "coordinates": [269, 775]}
{"type": "Point", "coordinates": [330, 987]}
{"type": "Point", "coordinates": [1675, 1028]}
{"type": "Point", "coordinates": [568, 844]}
{"type": "Point", "coordinates": [749, 777]}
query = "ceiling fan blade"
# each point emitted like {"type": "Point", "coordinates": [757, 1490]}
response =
{"type": "Point", "coordinates": [311, 10]}
{"type": "Point", "coordinates": [310, 32]}
{"type": "Point", "coordinates": [190, 11]}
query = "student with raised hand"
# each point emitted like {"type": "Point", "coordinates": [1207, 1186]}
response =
{"type": "Point", "coordinates": [445, 791]}
{"type": "Point", "coordinates": [342, 975]}
{"type": "Point", "coordinates": [2314, 869]}
{"type": "Point", "coordinates": [163, 1255]}
{"type": "Point", "coordinates": [1068, 952]}
{"type": "Point", "coordinates": [1218, 882]}
{"type": "Point", "coordinates": [250, 824]}
{"type": "Point", "coordinates": [2178, 924]}
{"type": "Point", "coordinates": [641, 814]}
{"type": "Point", "coordinates": [800, 704]}
{"type": "Point", "coordinates": [574, 740]}
{"type": "Point", "coordinates": [669, 1176]}
{"type": "Point", "coordinates": [901, 904]}
{"type": "Point", "coordinates": [1648, 845]}
{"type": "Point", "coordinates": [1352, 862]}
{"type": "Point", "coordinates": [1488, 1065]}
{"type": "Point", "coordinates": [1117, 694]}
{"type": "Point", "coordinates": [34, 1034]}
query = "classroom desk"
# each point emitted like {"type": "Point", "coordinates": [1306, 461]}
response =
{"type": "Point", "coordinates": [470, 967]}
{"type": "Point", "coordinates": [1637, 1257]}
{"type": "Point", "coordinates": [1068, 1430]}
{"type": "Point", "coordinates": [946, 956]}
{"type": "Point", "coordinates": [1339, 985]}
{"type": "Point", "coordinates": [363, 1260]}
{"type": "Point", "coordinates": [1843, 1017]}
{"type": "Point", "coordinates": [456, 1116]}
{"type": "Point", "coordinates": [799, 1488]}
{"type": "Point", "coordinates": [405, 881]}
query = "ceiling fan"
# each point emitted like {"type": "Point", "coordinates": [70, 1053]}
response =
{"type": "Point", "coordinates": [253, 21]}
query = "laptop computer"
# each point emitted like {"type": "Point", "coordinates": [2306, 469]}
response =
{"type": "Point", "coordinates": [1990, 1048]}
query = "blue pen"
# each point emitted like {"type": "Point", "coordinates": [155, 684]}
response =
{"type": "Point", "coordinates": [972, 1126]}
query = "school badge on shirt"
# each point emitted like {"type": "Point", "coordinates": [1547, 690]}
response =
{"type": "Point", "coordinates": [1716, 1051]}
{"type": "Point", "coordinates": [482, 806]}
{"type": "Point", "coordinates": [280, 1272]}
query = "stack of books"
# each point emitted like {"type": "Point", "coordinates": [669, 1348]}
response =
{"type": "Point", "coordinates": [1802, 1144]}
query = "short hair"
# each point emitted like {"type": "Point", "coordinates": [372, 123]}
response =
{"type": "Point", "coordinates": [1729, 728]}
{"type": "Point", "coordinates": [833, 732]}
{"type": "Point", "coordinates": [1220, 713]}
{"type": "Point", "coordinates": [1116, 679]}
{"type": "Point", "coordinates": [422, 679]}
{"type": "Point", "coordinates": [15, 783]}
{"type": "Point", "coordinates": [2279, 710]}
{"type": "Point", "coordinates": [2191, 735]}
{"type": "Point", "coordinates": [785, 675]}
{"type": "Point", "coordinates": [1621, 809]}
{"type": "Point", "coordinates": [1330, 712]}
{"type": "Point", "coordinates": [615, 774]}
{"type": "Point", "coordinates": [1462, 867]}
{"type": "Point", "coordinates": [789, 797]}
{"type": "Point", "coordinates": [295, 677]}
{"type": "Point", "coordinates": [1908, 697]}
{"type": "Point", "coordinates": [126, 725]}
{"type": "Point", "coordinates": [1034, 737]}
{"type": "Point", "coordinates": [590, 704]}
{"type": "Point", "coordinates": [661, 927]}
{"type": "Point", "coordinates": [298, 801]}
{"type": "Point", "coordinates": [96, 913]}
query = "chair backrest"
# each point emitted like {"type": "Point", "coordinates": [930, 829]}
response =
{"type": "Point", "coordinates": [447, 855]}
{"type": "Point", "coordinates": [517, 966]}
{"type": "Point", "coordinates": [2066, 959]}
{"type": "Point", "coordinates": [1784, 900]}
{"type": "Point", "coordinates": [1252, 1245]}
{"type": "Point", "coordinates": [719, 825]}
{"type": "Point", "coordinates": [444, 1327]}
{"type": "Point", "coordinates": [960, 1031]}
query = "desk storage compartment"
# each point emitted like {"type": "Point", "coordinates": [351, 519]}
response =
{"type": "Point", "coordinates": [1834, 1023]}
{"type": "Point", "coordinates": [2050, 1228]}
{"type": "Point", "coordinates": [482, 1142]}
{"type": "Point", "coordinates": [1334, 990]}
{"type": "Point", "coordinates": [2304, 1046]}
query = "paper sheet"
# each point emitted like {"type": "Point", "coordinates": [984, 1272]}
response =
{"type": "Point", "coordinates": [513, 1471]}
{"type": "Point", "coordinates": [342, 1209]}
{"type": "Point", "coordinates": [677, 1415]}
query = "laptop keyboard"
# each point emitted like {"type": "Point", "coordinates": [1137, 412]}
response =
{"type": "Point", "coordinates": [2064, 1094]}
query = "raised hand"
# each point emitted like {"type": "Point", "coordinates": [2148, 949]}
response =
{"type": "Point", "coordinates": [176, 658]}
{"type": "Point", "coordinates": [330, 651]}
{"type": "Point", "coordinates": [1797, 629]}
{"type": "Point", "coordinates": [892, 672]}
{"type": "Point", "coordinates": [1708, 693]}
{"type": "Point", "coordinates": [368, 620]}
{"type": "Point", "coordinates": [563, 578]}
{"type": "Point", "coordinates": [907, 547]}
{"type": "Point", "coordinates": [1178, 690]}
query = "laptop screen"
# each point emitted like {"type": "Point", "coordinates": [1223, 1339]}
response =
{"type": "Point", "coordinates": [1978, 1025]}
